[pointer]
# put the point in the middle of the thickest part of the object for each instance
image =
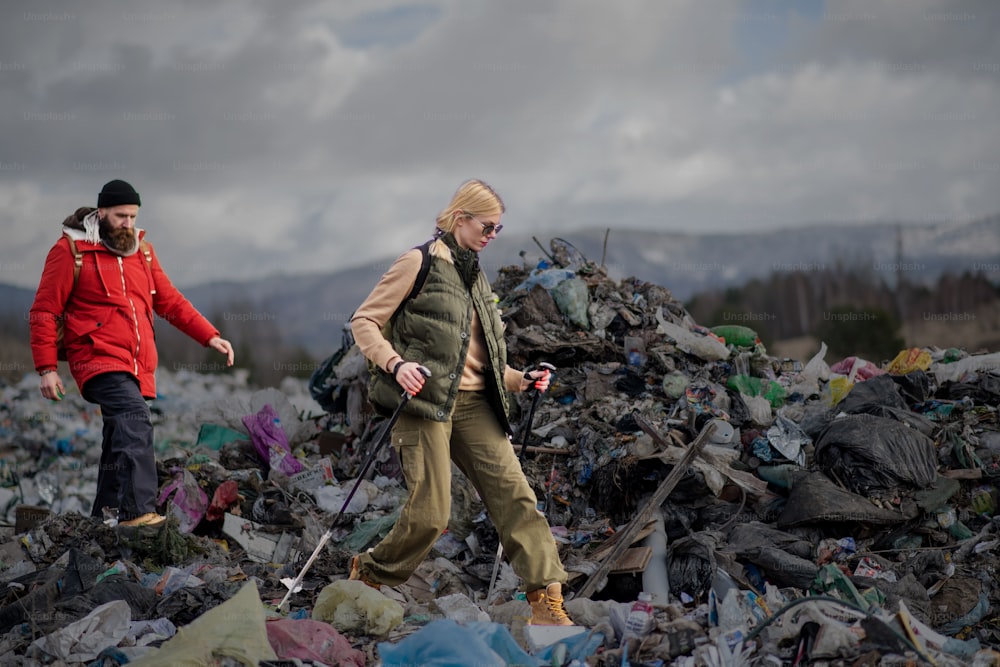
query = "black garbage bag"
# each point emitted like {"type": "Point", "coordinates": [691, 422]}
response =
{"type": "Point", "coordinates": [986, 389]}
{"type": "Point", "coordinates": [868, 453]}
{"type": "Point", "coordinates": [815, 418]}
{"type": "Point", "coordinates": [915, 387]}
{"type": "Point", "coordinates": [782, 568]}
{"type": "Point", "coordinates": [815, 500]}
{"type": "Point", "coordinates": [141, 599]}
{"type": "Point", "coordinates": [188, 603]}
{"type": "Point", "coordinates": [783, 558]}
{"type": "Point", "coordinates": [691, 564]}
{"type": "Point", "coordinates": [882, 396]}
{"type": "Point", "coordinates": [749, 536]}
{"type": "Point", "coordinates": [906, 417]}
{"type": "Point", "coordinates": [739, 413]}
{"type": "Point", "coordinates": [879, 390]}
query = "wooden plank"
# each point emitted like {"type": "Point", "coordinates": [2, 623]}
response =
{"type": "Point", "coordinates": [652, 504]}
{"type": "Point", "coordinates": [632, 561]}
{"type": "Point", "coordinates": [635, 559]}
{"type": "Point", "coordinates": [542, 450]}
{"type": "Point", "coordinates": [609, 544]}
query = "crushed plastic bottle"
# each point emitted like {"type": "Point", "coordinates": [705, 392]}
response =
{"type": "Point", "coordinates": [639, 621]}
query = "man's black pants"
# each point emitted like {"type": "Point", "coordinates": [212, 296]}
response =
{"type": "Point", "coordinates": [126, 479]}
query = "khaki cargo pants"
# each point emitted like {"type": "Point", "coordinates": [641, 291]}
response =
{"type": "Point", "coordinates": [474, 440]}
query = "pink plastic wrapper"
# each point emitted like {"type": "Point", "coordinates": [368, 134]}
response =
{"type": "Point", "coordinates": [863, 370]}
{"type": "Point", "coordinates": [307, 639]}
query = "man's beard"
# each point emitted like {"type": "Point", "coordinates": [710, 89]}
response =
{"type": "Point", "coordinates": [121, 239]}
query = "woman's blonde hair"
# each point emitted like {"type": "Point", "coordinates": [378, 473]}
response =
{"type": "Point", "coordinates": [473, 198]}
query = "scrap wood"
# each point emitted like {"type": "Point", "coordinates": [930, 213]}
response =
{"type": "Point", "coordinates": [633, 561]}
{"type": "Point", "coordinates": [542, 450]}
{"type": "Point", "coordinates": [650, 507]}
{"type": "Point", "coordinates": [612, 542]}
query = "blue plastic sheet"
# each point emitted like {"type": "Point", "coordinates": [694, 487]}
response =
{"type": "Point", "coordinates": [445, 643]}
{"type": "Point", "coordinates": [578, 647]}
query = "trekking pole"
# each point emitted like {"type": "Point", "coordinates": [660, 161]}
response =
{"type": "Point", "coordinates": [525, 432]}
{"type": "Point", "coordinates": [535, 400]}
{"type": "Point", "coordinates": [382, 438]}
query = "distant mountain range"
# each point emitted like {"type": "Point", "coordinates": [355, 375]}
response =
{"type": "Point", "coordinates": [311, 309]}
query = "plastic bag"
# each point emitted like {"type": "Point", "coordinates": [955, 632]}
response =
{"type": "Point", "coordinates": [305, 639]}
{"type": "Point", "coordinates": [225, 495]}
{"type": "Point", "coordinates": [546, 278]}
{"type": "Point", "coordinates": [808, 379]}
{"type": "Point", "coordinates": [736, 335]}
{"type": "Point", "coordinates": [960, 369]}
{"type": "Point", "coordinates": [189, 502]}
{"type": "Point", "coordinates": [754, 386]}
{"type": "Point", "coordinates": [856, 369]}
{"type": "Point", "coordinates": [234, 629]}
{"type": "Point", "coordinates": [445, 642]}
{"type": "Point", "coordinates": [352, 606]}
{"type": "Point", "coordinates": [907, 361]}
{"type": "Point", "coordinates": [708, 348]}
{"type": "Point", "coordinates": [867, 453]}
{"type": "Point", "coordinates": [81, 641]}
{"type": "Point", "coordinates": [573, 297]}
{"type": "Point", "coordinates": [786, 437]}
{"type": "Point", "coordinates": [270, 441]}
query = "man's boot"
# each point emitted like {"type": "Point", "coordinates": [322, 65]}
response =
{"type": "Point", "coordinates": [547, 606]}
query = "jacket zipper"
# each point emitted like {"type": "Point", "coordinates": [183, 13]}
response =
{"type": "Point", "coordinates": [135, 317]}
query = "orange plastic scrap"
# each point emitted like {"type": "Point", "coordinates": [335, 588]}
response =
{"type": "Point", "coordinates": [907, 361]}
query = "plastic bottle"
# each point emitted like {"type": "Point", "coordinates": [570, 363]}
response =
{"type": "Point", "coordinates": [639, 621]}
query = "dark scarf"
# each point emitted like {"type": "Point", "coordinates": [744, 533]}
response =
{"type": "Point", "coordinates": [466, 261]}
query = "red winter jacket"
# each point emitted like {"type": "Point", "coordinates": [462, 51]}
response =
{"type": "Point", "coordinates": [108, 314]}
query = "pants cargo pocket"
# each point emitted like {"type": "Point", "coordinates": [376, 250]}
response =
{"type": "Point", "coordinates": [407, 442]}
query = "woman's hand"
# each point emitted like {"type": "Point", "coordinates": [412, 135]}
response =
{"type": "Point", "coordinates": [538, 378]}
{"type": "Point", "coordinates": [409, 377]}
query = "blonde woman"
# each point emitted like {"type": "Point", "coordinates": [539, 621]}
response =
{"type": "Point", "coordinates": [453, 328]}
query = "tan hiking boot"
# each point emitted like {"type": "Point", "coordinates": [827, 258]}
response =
{"type": "Point", "coordinates": [147, 520]}
{"type": "Point", "coordinates": [547, 606]}
{"type": "Point", "coordinates": [355, 574]}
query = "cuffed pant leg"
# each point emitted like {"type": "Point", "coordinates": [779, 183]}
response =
{"type": "Point", "coordinates": [482, 451]}
{"type": "Point", "coordinates": [127, 476]}
{"type": "Point", "coordinates": [423, 453]}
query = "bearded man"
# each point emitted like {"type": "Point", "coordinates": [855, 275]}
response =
{"type": "Point", "coordinates": [103, 283]}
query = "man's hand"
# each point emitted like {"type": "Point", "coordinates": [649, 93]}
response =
{"type": "Point", "coordinates": [52, 386]}
{"type": "Point", "coordinates": [224, 346]}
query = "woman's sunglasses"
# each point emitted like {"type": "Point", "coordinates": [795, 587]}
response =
{"type": "Point", "coordinates": [488, 227]}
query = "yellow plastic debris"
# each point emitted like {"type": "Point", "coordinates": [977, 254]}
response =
{"type": "Point", "coordinates": [352, 606]}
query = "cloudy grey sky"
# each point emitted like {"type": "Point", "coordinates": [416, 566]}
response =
{"type": "Point", "coordinates": [308, 135]}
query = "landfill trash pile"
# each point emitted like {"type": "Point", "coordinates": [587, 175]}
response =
{"type": "Point", "coordinates": [713, 504]}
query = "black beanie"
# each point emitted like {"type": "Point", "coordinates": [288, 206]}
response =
{"type": "Point", "coordinates": [116, 193]}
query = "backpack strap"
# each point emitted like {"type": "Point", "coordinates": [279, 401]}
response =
{"type": "Point", "coordinates": [418, 284]}
{"type": "Point", "coordinates": [144, 247]}
{"type": "Point", "coordinates": [425, 267]}
{"type": "Point", "coordinates": [77, 259]}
